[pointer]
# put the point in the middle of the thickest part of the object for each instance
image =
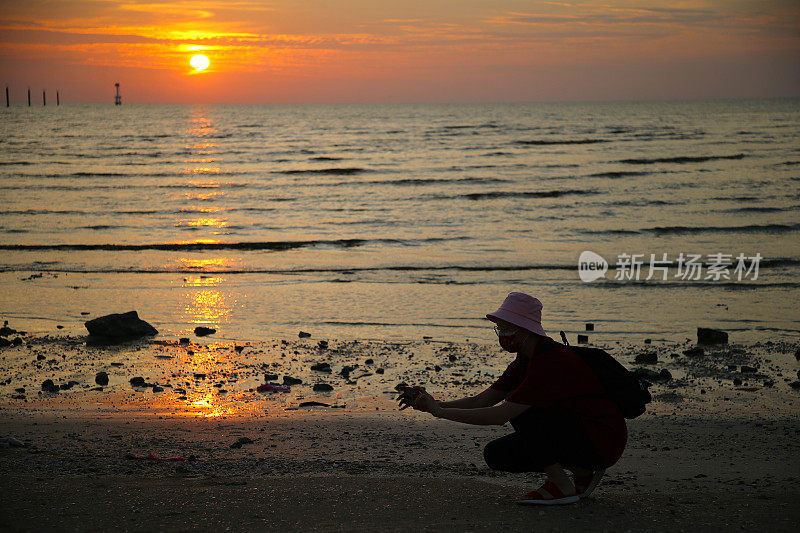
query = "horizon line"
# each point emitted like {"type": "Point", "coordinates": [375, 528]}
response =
{"type": "Point", "coordinates": [24, 103]}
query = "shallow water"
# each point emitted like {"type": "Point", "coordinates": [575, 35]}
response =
{"type": "Point", "coordinates": [398, 221]}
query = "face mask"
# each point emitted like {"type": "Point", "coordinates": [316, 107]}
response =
{"type": "Point", "coordinates": [509, 343]}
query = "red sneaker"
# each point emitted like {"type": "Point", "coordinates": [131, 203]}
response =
{"type": "Point", "coordinates": [584, 485]}
{"type": "Point", "coordinates": [548, 494]}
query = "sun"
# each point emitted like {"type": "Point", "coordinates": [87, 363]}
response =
{"type": "Point", "coordinates": [199, 62]}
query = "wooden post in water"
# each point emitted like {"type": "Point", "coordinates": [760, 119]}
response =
{"type": "Point", "coordinates": [44, 98]}
{"type": "Point", "coordinates": [29, 96]}
{"type": "Point", "coordinates": [7, 103]}
{"type": "Point", "coordinates": [117, 98]}
{"type": "Point", "coordinates": [58, 98]}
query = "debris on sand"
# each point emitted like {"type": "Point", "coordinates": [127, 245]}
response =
{"type": "Point", "coordinates": [711, 336]}
{"type": "Point", "coordinates": [241, 441]}
{"type": "Point", "coordinates": [313, 404]}
{"type": "Point", "coordinates": [202, 331]}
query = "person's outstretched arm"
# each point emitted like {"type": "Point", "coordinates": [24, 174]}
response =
{"type": "Point", "coordinates": [486, 398]}
{"type": "Point", "coordinates": [481, 416]}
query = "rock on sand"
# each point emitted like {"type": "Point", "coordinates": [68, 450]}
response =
{"type": "Point", "coordinates": [119, 326]}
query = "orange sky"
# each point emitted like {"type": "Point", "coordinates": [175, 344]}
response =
{"type": "Point", "coordinates": [401, 51]}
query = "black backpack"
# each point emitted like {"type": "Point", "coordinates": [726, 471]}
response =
{"type": "Point", "coordinates": [622, 386]}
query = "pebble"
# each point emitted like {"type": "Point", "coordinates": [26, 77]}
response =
{"type": "Point", "coordinates": [202, 331]}
{"type": "Point", "coordinates": [322, 387]}
{"type": "Point", "coordinates": [711, 336]}
{"type": "Point", "coordinates": [241, 441]}
{"type": "Point", "coordinates": [646, 358]}
{"type": "Point", "coordinates": [313, 404]}
{"type": "Point", "coordinates": [101, 378]}
{"type": "Point", "coordinates": [49, 386]}
{"type": "Point", "coordinates": [303, 335]}
{"type": "Point", "coordinates": [137, 381]}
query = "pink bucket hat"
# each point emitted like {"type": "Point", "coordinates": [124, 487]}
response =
{"type": "Point", "coordinates": [521, 310]}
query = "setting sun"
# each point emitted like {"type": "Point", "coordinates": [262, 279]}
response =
{"type": "Point", "coordinates": [199, 62]}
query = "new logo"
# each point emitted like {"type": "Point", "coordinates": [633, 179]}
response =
{"type": "Point", "coordinates": [591, 266]}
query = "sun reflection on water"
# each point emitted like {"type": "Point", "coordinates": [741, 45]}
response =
{"type": "Point", "coordinates": [207, 307]}
{"type": "Point", "coordinates": [214, 222]}
{"type": "Point", "coordinates": [212, 264]}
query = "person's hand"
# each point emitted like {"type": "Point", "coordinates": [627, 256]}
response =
{"type": "Point", "coordinates": [408, 395]}
{"type": "Point", "coordinates": [426, 402]}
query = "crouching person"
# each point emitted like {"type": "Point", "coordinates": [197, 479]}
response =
{"type": "Point", "coordinates": [562, 420]}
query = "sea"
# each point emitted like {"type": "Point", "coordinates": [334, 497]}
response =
{"type": "Point", "coordinates": [644, 219]}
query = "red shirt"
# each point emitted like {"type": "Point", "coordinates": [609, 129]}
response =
{"type": "Point", "coordinates": [559, 377]}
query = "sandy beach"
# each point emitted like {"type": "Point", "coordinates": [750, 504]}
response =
{"type": "Point", "coordinates": [717, 447]}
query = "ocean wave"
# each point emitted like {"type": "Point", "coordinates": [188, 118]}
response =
{"type": "Point", "coordinates": [680, 159]}
{"type": "Point", "coordinates": [92, 174]}
{"type": "Point", "coordinates": [757, 209]}
{"type": "Point", "coordinates": [486, 125]}
{"type": "Point", "coordinates": [549, 142]}
{"type": "Point", "coordinates": [411, 182]}
{"type": "Point", "coordinates": [346, 171]}
{"type": "Point", "coordinates": [213, 246]}
{"type": "Point", "coordinates": [682, 284]}
{"type": "Point", "coordinates": [679, 230]}
{"type": "Point", "coordinates": [618, 174]}
{"type": "Point", "coordinates": [642, 202]}
{"type": "Point", "coordinates": [122, 186]}
{"type": "Point", "coordinates": [750, 228]}
{"type": "Point", "coordinates": [98, 227]}
{"type": "Point", "coordinates": [86, 213]}
{"type": "Point", "coordinates": [53, 266]}
{"type": "Point", "coordinates": [491, 195]}
{"type": "Point", "coordinates": [56, 266]}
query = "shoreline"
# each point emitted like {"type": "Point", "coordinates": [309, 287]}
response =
{"type": "Point", "coordinates": [708, 453]}
{"type": "Point", "coordinates": [205, 377]}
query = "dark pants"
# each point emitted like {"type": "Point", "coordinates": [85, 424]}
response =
{"type": "Point", "coordinates": [543, 437]}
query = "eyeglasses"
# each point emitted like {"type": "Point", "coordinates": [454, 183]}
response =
{"type": "Point", "coordinates": [505, 332]}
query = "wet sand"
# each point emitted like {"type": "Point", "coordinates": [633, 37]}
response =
{"type": "Point", "coordinates": [706, 454]}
